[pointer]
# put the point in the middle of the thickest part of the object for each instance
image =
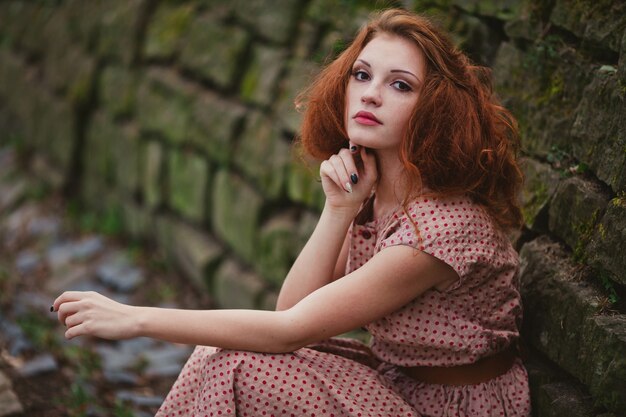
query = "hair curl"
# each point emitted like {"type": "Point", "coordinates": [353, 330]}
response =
{"type": "Point", "coordinates": [460, 140]}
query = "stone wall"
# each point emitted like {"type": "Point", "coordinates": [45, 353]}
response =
{"type": "Point", "coordinates": [177, 117]}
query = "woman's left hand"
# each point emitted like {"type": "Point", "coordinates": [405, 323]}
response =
{"type": "Point", "coordinates": [91, 313]}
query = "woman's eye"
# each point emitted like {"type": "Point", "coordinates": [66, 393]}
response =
{"type": "Point", "coordinates": [401, 85]}
{"type": "Point", "coordinates": [361, 75]}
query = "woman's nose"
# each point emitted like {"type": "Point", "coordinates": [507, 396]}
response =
{"type": "Point", "coordinates": [371, 95]}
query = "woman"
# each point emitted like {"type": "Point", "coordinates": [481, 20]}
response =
{"type": "Point", "coordinates": [420, 179]}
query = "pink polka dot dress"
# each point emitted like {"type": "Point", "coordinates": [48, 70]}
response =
{"type": "Point", "coordinates": [476, 317]}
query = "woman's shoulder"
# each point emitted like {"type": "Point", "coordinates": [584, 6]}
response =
{"type": "Point", "coordinates": [447, 211]}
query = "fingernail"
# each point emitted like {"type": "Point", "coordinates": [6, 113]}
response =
{"type": "Point", "coordinates": [51, 309]}
{"type": "Point", "coordinates": [353, 148]}
{"type": "Point", "coordinates": [348, 187]}
{"type": "Point", "coordinates": [354, 178]}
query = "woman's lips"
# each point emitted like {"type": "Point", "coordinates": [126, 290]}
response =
{"type": "Point", "coordinates": [366, 118]}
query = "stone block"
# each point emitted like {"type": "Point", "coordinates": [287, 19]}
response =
{"type": "Point", "coordinates": [54, 130]}
{"type": "Point", "coordinates": [152, 173]}
{"type": "Point", "coordinates": [263, 155]}
{"type": "Point", "coordinates": [275, 20]}
{"type": "Point", "coordinates": [563, 321]}
{"type": "Point", "coordinates": [575, 209]}
{"type": "Point", "coordinates": [117, 37]}
{"type": "Point", "coordinates": [262, 75]}
{"type": "Point", "coordinates": [563, 400]}
{"type": "Point", "coordinates": [126, 159]}
{"type": "Point", "coordinates": [29, 29]}
{"type": "Point", "coordinates": [166, 29]}
{"type": "Point", "coordinates": [599, 24]}
{"type": "Point", "coordinates": [303, 184]}
{"type": "Point", "coordinates": [67, 68]}
{"type": "Point", "coordinates": [300, 74]}
{"type": "Point", "coordinates": [196, 254]}
{"type": "Point", "coordinates": [164, 105]}
{"type": "Point", "coordinates": [98, 158]}
{"type": "Point", "coordinates": [214, 123]}
{"type": "Point", "coordinates": [188, 176]}
{"type": "Point", "coordinates": [12, 22]}
{"type": "Point", "coordinates": [10, 404]}
{"type": "Point", "coordinates": [237, 288]}
{"type": "Point", "coordinates": [118, 91]}
{"type": "Point", "coordinates": [598, 132]}
{"type": "Point", "coordinates": [530, 21]}
{"type": "Point", "coordinates": [235, 213]}
{"type": "Point", "coordinates": [346, 16]}
{"type": "Point", "coordinates": [206, 54]}
{"type": "Point", "coordinates": [83, 21]}
{"type": "Point", "coordinates": [276, 250]}
{"type": "Point", "coordinates": [499, 9]}
{"type": "Point", "coordinates": [112, 155]}
{"type": "Point", "coordinates": [539, 186]}
{"type": "Point", "coordinates": [542, 87]}
{"type": "Point", "coordinates": [621, 65]}
{"type": "Point", "coordinates": [608, 243]}
{"type": "Point", "coordinates": [137, 220]}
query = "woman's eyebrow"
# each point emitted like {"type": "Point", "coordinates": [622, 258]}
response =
{"type": "Point", "coordinates": [406, 72]}
{"type": "Point", "coordinates": [393, 70]}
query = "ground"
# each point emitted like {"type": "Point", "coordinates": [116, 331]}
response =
{"type": "Point", "coordinates": [49, 244]}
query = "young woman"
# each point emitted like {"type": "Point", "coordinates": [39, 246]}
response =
{"type": "Point", "coordinates": [420, 179]}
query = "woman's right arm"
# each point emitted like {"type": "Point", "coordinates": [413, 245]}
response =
{"type": "Point", "coordinates": [324, 256]}
{"type": "Point", "coordinates": [317, 263]}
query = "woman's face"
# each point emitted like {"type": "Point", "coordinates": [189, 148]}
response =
{"type": "Point", "coordinates": [383, 91]}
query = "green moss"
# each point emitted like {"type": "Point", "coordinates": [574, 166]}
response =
{"type": "Point", "coordinates": [80, 90]}
{"type": "Point", "coordinates": [168, 26]}
{"type": "Point", "coordinates": [602, 231]}
{"type": "Point", "coordinates": [537, 196]}
{"type": "Point", "coordinates": [584, 231]}
{"type": "Point", "coordinates": [250, 83]}
{"type": "Point", "coordinates": [619, 200]}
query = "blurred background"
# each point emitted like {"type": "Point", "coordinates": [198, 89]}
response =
{"type": "Point", "coordinates": [147, 151]}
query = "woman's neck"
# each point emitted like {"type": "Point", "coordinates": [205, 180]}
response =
{"type": "Point", "coordinates": [391, 187]}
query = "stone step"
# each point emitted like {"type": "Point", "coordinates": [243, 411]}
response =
{"type": "Point", "coordinates": [564, 320]}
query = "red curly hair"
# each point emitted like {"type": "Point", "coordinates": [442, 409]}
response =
{"type": "Point", "coordinates": [460, 140]}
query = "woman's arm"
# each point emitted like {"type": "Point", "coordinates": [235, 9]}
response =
{"type": "Point", "coordinates": [388, 281]}
{"type": "Point", "coordinates": [318, 263]}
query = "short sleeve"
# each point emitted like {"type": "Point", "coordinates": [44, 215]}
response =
{"type": "Point", "coordinates": [455, 231]}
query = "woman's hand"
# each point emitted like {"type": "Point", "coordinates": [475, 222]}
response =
{"type": "Point", "coordinates": [348, 178]}
{"type": "Point", "coordinates": [90, 313]}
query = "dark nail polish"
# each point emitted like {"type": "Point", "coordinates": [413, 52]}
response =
{"type": "Point", "coordinates": [353, 149]}
{"type": "Point", "coordinates": [51, 309]}
{"type": "Point", "coordinates": [354, 178]}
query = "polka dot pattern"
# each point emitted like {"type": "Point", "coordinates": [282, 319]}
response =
{"type": "Point", "coordinates": [330, 379]}
{"type": "Point", "coordinates": [475, 317]}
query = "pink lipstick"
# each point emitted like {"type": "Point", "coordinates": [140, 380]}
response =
{"type": "Point", "coordinates": [366, 118]}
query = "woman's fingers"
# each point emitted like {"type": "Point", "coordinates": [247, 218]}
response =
{"type": "Point", "coordinates": [328, 170]}
{"type": "Point", "coordinates": [341, 163]}
{"type": "Point", "coordinates": [369, 164]}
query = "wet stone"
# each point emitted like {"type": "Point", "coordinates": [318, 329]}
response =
{"type": "Point", "coordinates": [66, 252]}
{"type": "Point", "coordinates": [27, 261]}
{"type": "Point", "coordinates": [116, 272]}
{"type": "Point", "coordinates": [121, 377]}
{"type": "Point", "coordinates": [11, 194]}
{"type": "Point", "coordinates": [66, 279]}
{"type": "Point", "coordinates": [39, 365]}
{"type": "Point", "coordinates": [166, 361]}
{"type": "Point", "coordinates": [115, 359]}
{"type": "Point", "coordinates": [138, 399]}
{"type": "Point", "coordinates": [31, 302]}
{"type": "Point", "coordinates": [15, 338]}
{"type": "Point", "coordinates": [44, 226]}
